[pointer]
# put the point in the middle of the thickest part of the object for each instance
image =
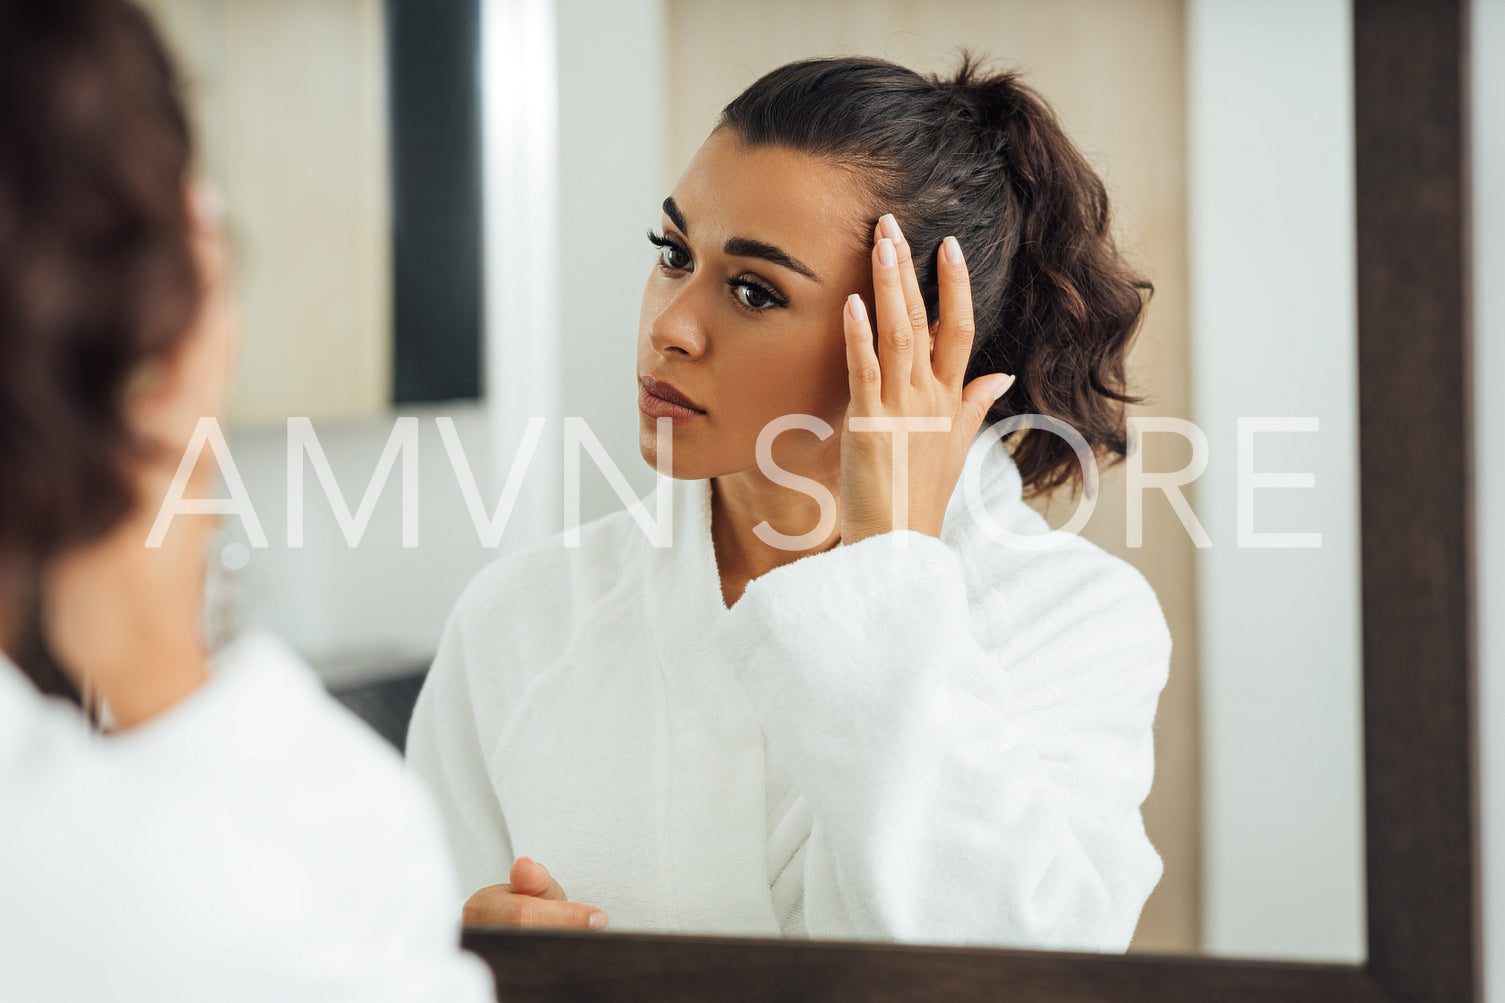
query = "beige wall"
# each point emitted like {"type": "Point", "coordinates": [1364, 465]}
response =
{"type": "Point", "coordinates": [1115, 71]}
{"type": "Point", "coordinates": [289, 104]}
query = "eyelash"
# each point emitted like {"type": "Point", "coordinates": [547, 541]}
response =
{"type": "Point", "coordinates": [775, 298]}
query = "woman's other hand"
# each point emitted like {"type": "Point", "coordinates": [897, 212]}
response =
{"type": "Point", "coordinates": [532, 898]}
{"type": "Point", "coordinates": [910, 420]}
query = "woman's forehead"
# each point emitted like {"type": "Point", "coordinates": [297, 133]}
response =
{"type": "Point", "coordinates": [804, 204]}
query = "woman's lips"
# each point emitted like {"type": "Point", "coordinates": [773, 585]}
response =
{"type": "Point", "coordinates": [661, 400]}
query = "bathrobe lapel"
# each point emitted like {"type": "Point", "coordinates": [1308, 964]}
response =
{"type": "Point", "coordinates": [712, 753]}
{"type": "Point", "coordinates": [713, 759]}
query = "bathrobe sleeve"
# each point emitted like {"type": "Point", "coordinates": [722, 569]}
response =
{"type": "Point", "coordinates": [446, 748]}
{"type": "Point", "coordinates": [971, 756]}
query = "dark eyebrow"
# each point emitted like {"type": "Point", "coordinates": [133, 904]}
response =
{"type": "Point", "coordinates": [671, 209]}
{"type": "Point", "coordinates": [744, 247]}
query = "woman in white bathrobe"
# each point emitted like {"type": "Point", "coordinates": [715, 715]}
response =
{"type": "Point", "coordinates": [847, 699]}
{"type": "Point", "coordinates": [174, 826]}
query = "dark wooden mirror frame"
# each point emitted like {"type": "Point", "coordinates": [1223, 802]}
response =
{"type": "Point", "coordinates": [1417, 545]}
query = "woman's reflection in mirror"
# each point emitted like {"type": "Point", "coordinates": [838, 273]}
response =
{"type": "Point", "coordinates": [888, 726]}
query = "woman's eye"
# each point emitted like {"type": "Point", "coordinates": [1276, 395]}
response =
{"type": "Point", "coordinates": [673, 257]}
{"type": "Point", "coordinates": [753, 297]}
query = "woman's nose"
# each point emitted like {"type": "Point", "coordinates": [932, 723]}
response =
{"type": "Point", "coordinates": [677, 329]}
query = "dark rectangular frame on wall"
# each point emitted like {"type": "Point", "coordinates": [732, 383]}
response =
{"type": "Point", "coordinates": [433, 115]}
{"type": "Point", "coordinates": [1417, 544]}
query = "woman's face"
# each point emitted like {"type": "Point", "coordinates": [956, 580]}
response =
{"type": "Point", "coordinates": [742, 310]}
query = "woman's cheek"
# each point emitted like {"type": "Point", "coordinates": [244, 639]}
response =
{"type": "Point", "coordinates": [831, 362]}
{"type": "Point", "coordinates": [650, 307]}
{"type": "Point", "coordinates": [812, 383]}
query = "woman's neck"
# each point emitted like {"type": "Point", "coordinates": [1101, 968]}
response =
{"type": "Point", "coordinates": [742, 502]}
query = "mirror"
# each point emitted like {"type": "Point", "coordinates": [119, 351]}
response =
{"type": "Point", "coordinates": [1222, 134]}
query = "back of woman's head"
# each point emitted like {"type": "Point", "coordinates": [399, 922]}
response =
{"type": "Point", "coordinates": [97, 273]}
{"type": "Point", "coordinates": [982, 157]}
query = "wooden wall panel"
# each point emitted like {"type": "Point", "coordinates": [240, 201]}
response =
{"type": "Point", "coordinates": [289, 101]}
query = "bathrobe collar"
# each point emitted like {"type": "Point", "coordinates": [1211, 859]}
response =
{"type": "Point", "coordinates": [684, 583]}
{"type": "Point", "coordinates": [683, 607]}
{"type": "Point", "coordinates": [1001, 486]}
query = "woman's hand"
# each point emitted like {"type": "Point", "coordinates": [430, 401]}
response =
{"type": "Point", "coordinates": [531, 898]}
{"type": "Point", "coordinates": [910, 420]}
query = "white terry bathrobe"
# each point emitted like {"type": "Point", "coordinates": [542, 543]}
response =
{"type": "Point", "coordinates": [253, 842]}
{"type": "Point", "coordinates": [907, 738]}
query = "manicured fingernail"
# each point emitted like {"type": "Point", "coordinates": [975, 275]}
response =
{"type": "Point", "coordinates": [953, 250]}
{"type": "Point", "coordinates": [1001, 386]}
{"type": "Point", "coordinates": [598, 921]}
{"type": "Point", "coordinates": [855, 309]}
{"type": "Point", "coordinates": [886, 255]}
{"type": "Point", "coordinates": [890, 227]}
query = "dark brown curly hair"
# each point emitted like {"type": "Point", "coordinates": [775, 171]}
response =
{"type": "Point", "coordinates": [981, 156]}
{"type": "Point", "coordinates": [97, 276]}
